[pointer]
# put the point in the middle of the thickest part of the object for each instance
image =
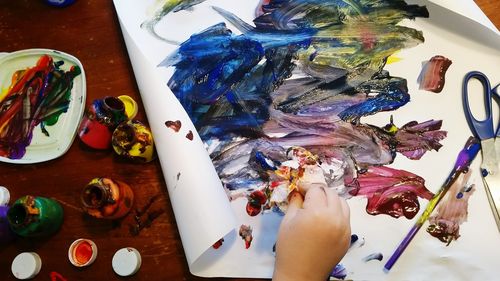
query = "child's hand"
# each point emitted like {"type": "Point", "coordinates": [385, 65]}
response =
{"type": "Point", "coordinates": [313, 237]}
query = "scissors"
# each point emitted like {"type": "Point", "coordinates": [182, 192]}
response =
{"type": "Point", "coordinates": [486, 132]}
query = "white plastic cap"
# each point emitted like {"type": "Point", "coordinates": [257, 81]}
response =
{"type": "Point", "coordinates": [26, 265]}
{"type": "Point", "coordinates": [4, 196]}
{"type": "Point", "coordinates": [126, 261]}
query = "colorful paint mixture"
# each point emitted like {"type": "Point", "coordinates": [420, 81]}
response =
{"type": "Point", "coordinates": [432, 77]}
{"type": "Point", "coordinates": [245, 233]}
{"type": "Point", "coordinates": [281, 104]}
{"type": "Point", "coordinates": [37, 96]}
{"type": "Point", "coordinates": [445, 223]}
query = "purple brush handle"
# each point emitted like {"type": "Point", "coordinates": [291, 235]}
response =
{"type": "Point", "coordinates": [402, 246]}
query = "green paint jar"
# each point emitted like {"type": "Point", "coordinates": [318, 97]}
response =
{"type": "Point", "coordinates": [32, 216]}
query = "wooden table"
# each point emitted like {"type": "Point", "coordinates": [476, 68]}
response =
{"type": "Point", "coordinates": [89, 30]}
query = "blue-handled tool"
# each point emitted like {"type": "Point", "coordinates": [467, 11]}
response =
{"type": "Point", "coordinates": [486, 131]}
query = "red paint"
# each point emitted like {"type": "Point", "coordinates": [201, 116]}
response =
{"type": "Point", "coordinates": [189, 135]}
{"type": "Point", "coordinates": [95, 134]}
{"type": "Point", "coordinates": [174, 125]}
{"type": "Point", "coordinates": [83, 252]}
{"type": "Point", "coordinates": [255, 202]}
{"type": "Point", "coordinates": [54, 276]}
{"type": "Point", "coordinates": [219, 243]}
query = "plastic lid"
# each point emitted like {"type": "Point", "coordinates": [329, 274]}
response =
{"type": "Point", "coordinates": [126, 261]}
{"type": "Point", "coordinates": [82, 252]}
{"type": "Point", "coordinates": [4, 196]}
{"type": "Point", "coordinates": [131, 106]}
{"type": "Point", "coordinates": [26, 265]}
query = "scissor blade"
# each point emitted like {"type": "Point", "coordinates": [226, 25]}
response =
{"type": "Point", "coordinates": [492, 186]}
{"type": "Point", "coordinates": [489, 153]}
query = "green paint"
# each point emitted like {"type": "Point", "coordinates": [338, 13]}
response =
{"type": "Point", "coordinates": [32, 216]}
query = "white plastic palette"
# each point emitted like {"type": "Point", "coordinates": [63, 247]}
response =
{"type": "Point", "coordinates": [61, 134]}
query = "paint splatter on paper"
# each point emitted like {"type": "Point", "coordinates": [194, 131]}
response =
{"type": "Point", "coordinates": [245, 233]}
{"type": "Point", "coordinates": [38, 95]}
{"type": "Point", "coordinates": [432, 76]}
{"type": "Point", "coordinates": [281, 103]}
{"type": "Point", "coordinates": [374, 256]}
{"type": "Point", "coordinates": [452, 211]}
{"type": "Point", "coordinates": [174, 125]}
{"type": "Point", "coordinates": [339, 272]}
{"type": "Point", "coordinates": [189, 135]}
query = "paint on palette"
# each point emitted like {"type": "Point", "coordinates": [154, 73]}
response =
{"type": "Point", "coordinates": [445, 223]}
{"type": "Point", "coordinates": [38, 95]}
{"type": "Point", "coordinates": [174, 125]}
{"type": "Point", "coordinates": [299, 79]}
{"type": "Point", "coordinates": [245, 233]}
{"type": "Point", "coordinates": [432, 76]}
{"type": "Point", "coordinates": [374, 256]}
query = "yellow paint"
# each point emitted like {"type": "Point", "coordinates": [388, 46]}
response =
{"type": "Point", "coordinates": [393, 58]}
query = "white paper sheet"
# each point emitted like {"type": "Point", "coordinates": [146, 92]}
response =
{"type": "Point", "coordinates": [202, 220]}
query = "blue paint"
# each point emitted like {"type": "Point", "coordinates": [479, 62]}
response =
{"type": "Point", "coordinates": [60, 3]}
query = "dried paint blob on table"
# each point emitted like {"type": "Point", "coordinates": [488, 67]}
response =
{"type": "Point", "coordinates": [37, 96]}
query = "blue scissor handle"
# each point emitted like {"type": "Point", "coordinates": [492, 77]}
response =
{"type": "Point", "coordinates": [482, 129]}
{"type": "Point", "coordinates": [494, 91]}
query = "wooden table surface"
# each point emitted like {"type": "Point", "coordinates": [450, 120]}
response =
{"type": "Point", "coordinates": [90, 31]}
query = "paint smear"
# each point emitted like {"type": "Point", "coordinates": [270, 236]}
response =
{"type": "Point", "coordinates": [56, 276]}
{"type": "Point", "coordinates": [271, 132]}
{"type": "Point", "coordinates": [374, 256]}
{"type": "Point", "coordinates": [174, 125]}
{"type": "Point", "coordinates": [163, 8]}
{"type": "Point", "coordinates": [339, 272]}
{"type": "Point", "coordinates": [432, 76]}
{"type": "Point", "coordinates": [38, 95]}
{"type": "Point", "coordinates": [392, 192]}
{"type": "Point", "coordinates": [245, 233]}
{"type": "Point", "coordinates": [452, 211]}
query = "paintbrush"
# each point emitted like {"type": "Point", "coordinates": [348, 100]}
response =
{"type": "Point", "coordinates": [464, 159]}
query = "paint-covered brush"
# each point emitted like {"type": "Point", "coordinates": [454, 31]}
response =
{"type": "Point", "coordinates": [464, 159]}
